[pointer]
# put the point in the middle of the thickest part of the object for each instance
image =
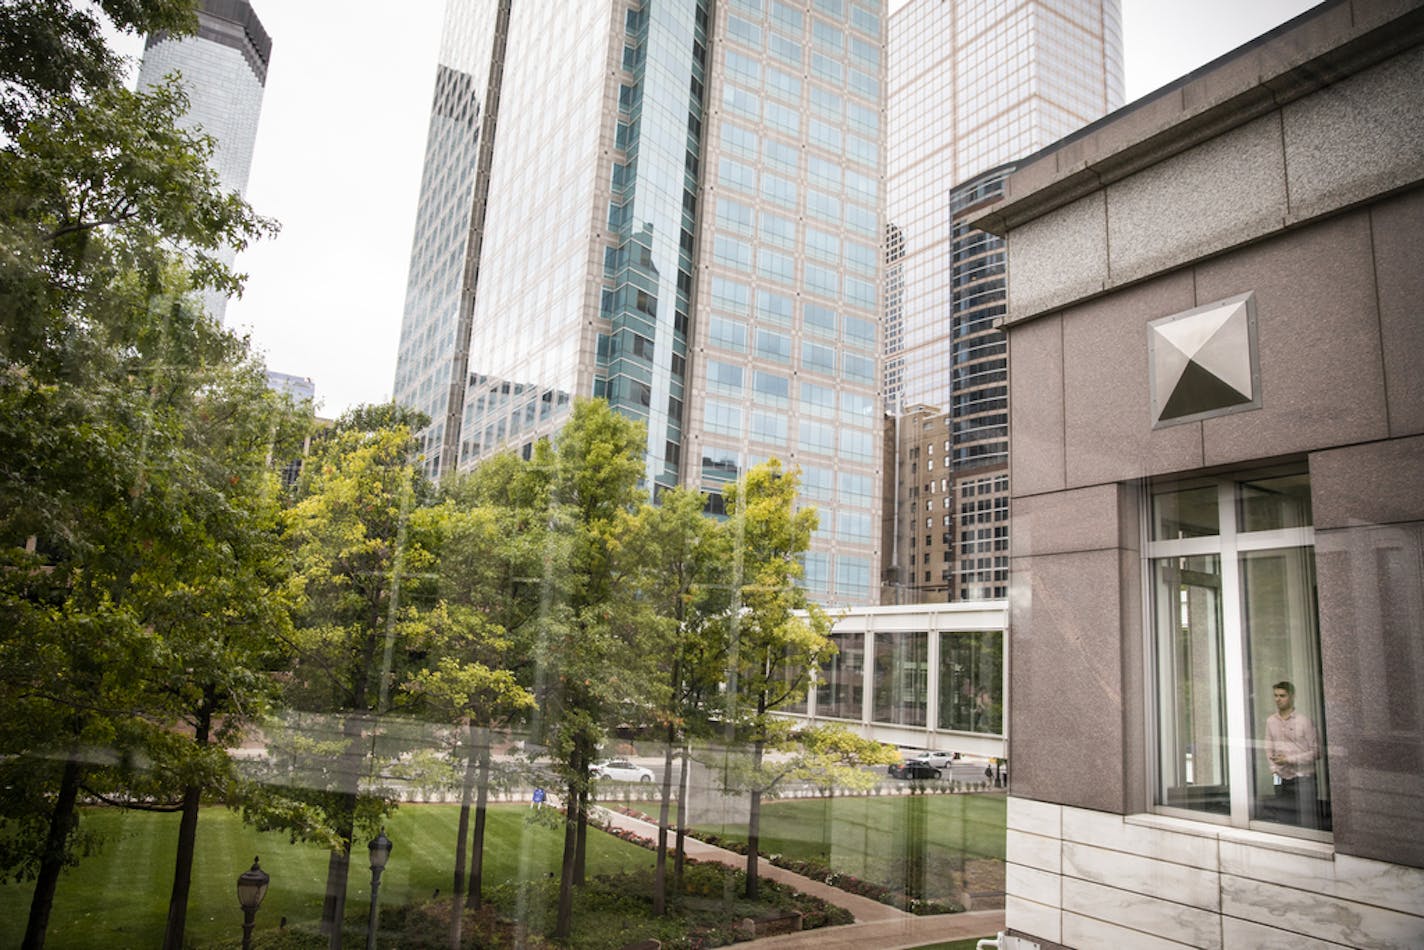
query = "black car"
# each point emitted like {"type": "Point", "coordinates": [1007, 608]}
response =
{"type": "Point", "coordinates": [913, 769]}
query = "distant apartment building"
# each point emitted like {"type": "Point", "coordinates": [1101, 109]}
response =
{"type": "Point", "coordinates": [224, 72]}
{"type": "Point", "coordinates": [973, 85]}
{"type": "Point", "coordinates": [676, 207]}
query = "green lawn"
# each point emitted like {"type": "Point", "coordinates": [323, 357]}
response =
{"type": "Point", "coordinates": [959, 838]}
{"type": "Point", "coordinates": [119, 897]}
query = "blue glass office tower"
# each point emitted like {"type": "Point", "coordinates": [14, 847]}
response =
{"type": "Point", "coordinates": [675, 205]}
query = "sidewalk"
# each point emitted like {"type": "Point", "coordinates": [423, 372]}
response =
{"type": "Point", "coordinates": [886, 927]}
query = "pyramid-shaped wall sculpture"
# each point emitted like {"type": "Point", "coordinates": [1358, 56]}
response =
{"type": "Point", "coordinates": [1203, 362]}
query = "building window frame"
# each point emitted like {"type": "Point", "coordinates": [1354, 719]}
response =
{"type": "Point", "coordinates": [1232, 776]}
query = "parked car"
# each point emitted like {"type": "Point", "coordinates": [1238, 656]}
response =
{"type": "Point", "coordinates": [939, 760]}
{"type": "Point", "coordinates": [913, 769]}
{"type": "Point", "coordinates": [620, 770]}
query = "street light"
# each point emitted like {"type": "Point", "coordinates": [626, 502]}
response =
{"type": "Point", "coordinates": [380, 848]}
{"type": "Point", "coordinates": [251, 888]}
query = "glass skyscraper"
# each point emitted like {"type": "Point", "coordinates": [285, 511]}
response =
{"type": "Point", "coordinates": [224, 71]}
{"type": "Point", "coordinates": [973, 85]}
{"type": "Point", "coordinates": [676, 206]}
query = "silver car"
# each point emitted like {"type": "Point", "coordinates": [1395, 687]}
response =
{"type": "Point", "coordinates": [620, 770]}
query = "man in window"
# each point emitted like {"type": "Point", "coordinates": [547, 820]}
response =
{"type": "Point", "coordinates": [1292, 746]}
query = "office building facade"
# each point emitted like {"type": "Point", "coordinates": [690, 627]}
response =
{"type": "Point", "coordinates": [675, 207]}
{"type": "Point", "coordinates": [973, 85]}
{"type": "Point", "coordinates": [224, 72]}
{"type": "Point", "coordinates": [1217, 461]}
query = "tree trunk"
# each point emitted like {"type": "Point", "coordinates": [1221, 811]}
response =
{"type": "Point", "coordinates": [681, 850]}
{"type": "Point", "coordinates": [754, 825]}
{"type": "Point", "coordinates": [477, 856]}
{"type": "Point", "coordinates": [563, 924]}
{"type": "Point", "coordinates": [333, 907]}
{"type": "Point", "coordinates": [187, 842]}
{"type": "Point", "coordinates": [457, 893]}
{"type": "Point", "coordinates": [581, 840]}
{"type": "Point", "coordinates": [62, 822]}
{"type": "Point", "coordinates": [660, 874]}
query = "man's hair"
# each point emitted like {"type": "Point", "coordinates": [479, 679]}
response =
{"type": "Point", "coordinates": [1286, 685]}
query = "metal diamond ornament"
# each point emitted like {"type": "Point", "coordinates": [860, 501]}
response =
{"type": "Point", "coordinates": [1203, 362]}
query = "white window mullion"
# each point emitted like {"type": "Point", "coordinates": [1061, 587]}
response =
{"type": "Point", "coordinates": [1234, 660]}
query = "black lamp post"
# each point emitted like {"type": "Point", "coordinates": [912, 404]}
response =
{"type": "Point", "coordinates": [380, 847]}
{"type": "Point", "coordinates": [251, 888]}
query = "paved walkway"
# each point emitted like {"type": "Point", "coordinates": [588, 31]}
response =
{"type": "Point", "coordinates": [886, 927]}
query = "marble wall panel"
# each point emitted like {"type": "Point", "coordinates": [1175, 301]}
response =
{"type": "Point", "coordinates": [1111, 832]}
{"type": "Point", "coordinates": [1397, 229]}
{"type": "Point", "coordinates": [1041, 887]}
{"type": "Point", "coordinates": [1028, 917]}
{"type": "Point", "coordinates": [1080, 931]}
{"type": "Point", "coordinates": [1035, 817]}
{"type": "Point", "coordinates": [1236, 932]}
{"type": "Point", "coordinates": [1164, 880]}
{"type": "Point", "coordinates": [1330, 918]}
{"type": "Point", "coordinates": [1189, 925]}
{"type": "Point", "coordinates": [1060, 257]}
{"type": "Point", "coordinates": [1358, 879]}
{"type": "Point", "coordinates": [1034, 851]}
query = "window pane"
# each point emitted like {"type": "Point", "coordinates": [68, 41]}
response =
{"type": "Point", "coordinates": [1268, 504]}
{"type": "Point", "coordinates": [842, 680]}
{"type": "Point", "coordinates": [1288, 748]}
{"type": "Point", "coordinates": [971, 682]}
{"type": "Point", "coordinates": [901, 678]}
{"type": "Point", "coordinates": [1184, 513]}
{"type": "Point", "coordinates": [1191, 685]}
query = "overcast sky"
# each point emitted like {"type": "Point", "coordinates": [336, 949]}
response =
{"type": "Point", "coordinates": [342, 137]}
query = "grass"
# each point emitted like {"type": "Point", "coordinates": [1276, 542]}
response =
{"type": "Point", "coordinates": [119, 897]}
{"type": "Point", "coordinates": [959, 837]}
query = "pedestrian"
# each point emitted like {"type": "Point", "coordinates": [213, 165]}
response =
{"type": "Point", "coordinates": [539, 797]}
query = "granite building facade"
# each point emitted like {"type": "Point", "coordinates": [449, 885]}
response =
{"type": "Point", "coordinates": [1217, 463]}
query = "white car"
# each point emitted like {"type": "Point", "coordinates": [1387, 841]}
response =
{"type": "Point", "coordinates": [620, 770]}
{"type": "Point", "coordinates": [938, 760]}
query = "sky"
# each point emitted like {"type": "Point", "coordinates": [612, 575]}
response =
{"type": "Point", "coordinates": [341, 141]}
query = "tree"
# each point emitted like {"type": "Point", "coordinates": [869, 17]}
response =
{"type": "Point", "coordinates": [363, 538]}
{"type": "Point", "coordinates": [109, 219]}
{"type": "Point", "coordinates": [487, 562]}
{"type": "Point", "coordinates": [685, 559]}
{"type": "Point", "coordinates": [778, 635]}
{"type": "Point", "coordinates": [587, 629]}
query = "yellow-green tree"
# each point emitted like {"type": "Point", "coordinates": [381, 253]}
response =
{"type": "Point", "coordinates": [777, 635]}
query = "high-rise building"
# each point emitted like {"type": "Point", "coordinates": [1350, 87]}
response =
{"type": "Point", "coordinates": [224, 72]}
{"type": "Point", "coordinates": [677, 207]}
{"type": "Point", "coordinates": [973, 85]}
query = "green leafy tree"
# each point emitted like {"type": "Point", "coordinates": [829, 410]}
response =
{"type": "Point", "coordinates": [685, 558]}
{"type": "Point", "coordinates": [778, 635]}
{"type": "Point", "coordinates": [364, 540]}
{"type": "Point", "coordinates": [586, 632]}
{"type": "Point", "coordinates": [486, 566]}
{"type": "Point", "coordinates": [110, 216]}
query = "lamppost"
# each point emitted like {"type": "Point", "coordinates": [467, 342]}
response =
{"type": "Point", "coordinates": [380, 848]}
{"type": "Point", "coordinates": [251, 888]}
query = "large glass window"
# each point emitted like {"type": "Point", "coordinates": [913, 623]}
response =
{"type": "Point", "coordinates": [902, 670]}
{"type": "Point", "coordinates": [1240, 707]}
{"type": "Point", "coordinates": [971, 681]}
{"type": "Point", "coordinates": [840, 685]}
